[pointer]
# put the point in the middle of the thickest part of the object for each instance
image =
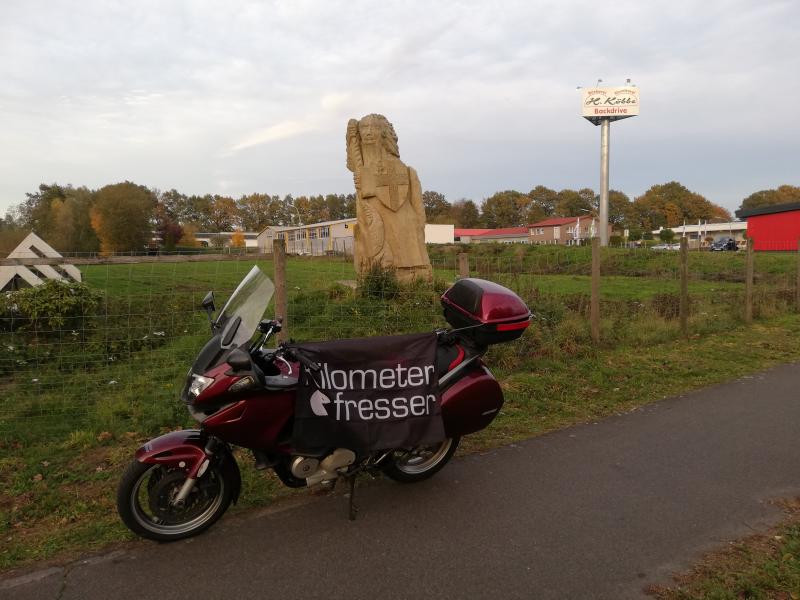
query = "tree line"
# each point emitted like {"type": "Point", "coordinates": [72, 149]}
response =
{"type": "Point", "coordinates": [662, 205]}
{"type": "Point", "coordinates": [125, 216]}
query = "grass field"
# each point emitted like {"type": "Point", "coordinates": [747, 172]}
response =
{"type": "Point", "coordinates": [75, 404]}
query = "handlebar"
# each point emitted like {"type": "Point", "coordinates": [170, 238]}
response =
{"type": "Point", "coordinates": [297, 354]}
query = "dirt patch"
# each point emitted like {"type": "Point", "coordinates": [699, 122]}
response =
{"type": "Point", "coordinates": [725, 565]}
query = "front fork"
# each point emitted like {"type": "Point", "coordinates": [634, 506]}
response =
{"type": "Point", "coordinates": [196, 472]}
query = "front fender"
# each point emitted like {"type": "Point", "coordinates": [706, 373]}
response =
{"type": "Point", "coordinates": [185, 449]}
{"type": "Point", "coordinates": [172, 448]}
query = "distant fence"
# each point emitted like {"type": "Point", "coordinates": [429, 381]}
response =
{"type": "Point", "coordinates": [118, 358]}
{"type": "Point", "coordinates": [125, 259]}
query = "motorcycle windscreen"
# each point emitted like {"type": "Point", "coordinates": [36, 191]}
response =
{"type": "Point", "coordinates": [241, 314]}
{"type": "Point", "coordinates": [369, 394]}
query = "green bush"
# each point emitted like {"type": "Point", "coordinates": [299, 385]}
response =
{"type": "Point", "coordinates": [378, 282]}
{"type": "Point", "coordinates": [51, 306]}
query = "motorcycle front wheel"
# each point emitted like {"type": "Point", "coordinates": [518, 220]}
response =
{"type": "Point", "coordinates": [410, 466]}
{"type": "Point", "coordinates": [145, 501]}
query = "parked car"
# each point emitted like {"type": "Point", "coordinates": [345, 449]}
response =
{"type": "Point", "coordinates": [666, 247]}
{"type": "Point", "coordinates": [724, 244]}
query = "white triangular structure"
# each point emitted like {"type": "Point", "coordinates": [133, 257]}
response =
{"type": "Point", "coordinates": [35, 247]}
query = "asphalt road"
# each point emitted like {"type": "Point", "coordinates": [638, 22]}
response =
{"type": "Point", "coordinates": [595, 511]}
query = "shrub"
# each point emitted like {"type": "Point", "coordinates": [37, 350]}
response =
{"type": "Point", "coordinates": [666, 305]}
{"type": "Point", "coordinates": [50, 306]}
{"type": "Point", "coordinates": [378, 282]}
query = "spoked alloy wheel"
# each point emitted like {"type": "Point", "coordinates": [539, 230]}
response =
{"type": "Point", "coordinates": [145, 501]}
{"type": "Point", "coordinates": [409, 466]}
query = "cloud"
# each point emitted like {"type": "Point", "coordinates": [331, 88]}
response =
{"type": "Point", "coordinates": [482, 96]}
{"type": "Point", "coordinates": [279, 131]}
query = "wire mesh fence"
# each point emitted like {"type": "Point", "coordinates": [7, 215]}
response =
{"type": "Point", "coordinates": [112, 353]}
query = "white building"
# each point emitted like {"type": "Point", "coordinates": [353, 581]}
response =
{"type": "Point", "coordinates": [703, 232]}
{"type": "Point", "coordinates": [207, 239]}
{"type": "Point", "coordinates": [333, 237]}
{"type": "Point", "coordinates": [317, 239]}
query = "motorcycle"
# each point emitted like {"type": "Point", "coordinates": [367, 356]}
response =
{"type": "Point", "coordinates": [242, 393]}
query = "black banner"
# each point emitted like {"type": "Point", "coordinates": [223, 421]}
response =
{"type": "Point", "coordinates": [370, 394]}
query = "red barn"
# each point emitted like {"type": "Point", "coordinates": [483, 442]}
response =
{"type": "Point", "coordinates": [775, 227]}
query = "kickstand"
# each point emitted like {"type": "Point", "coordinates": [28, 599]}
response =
{"type": "Point", "coordinates": [352, 508]}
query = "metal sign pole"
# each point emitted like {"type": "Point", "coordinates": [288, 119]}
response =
{"type": "Point", "coordinates": [600, 106]}
{"type": "Point", "coordinates": [605, 134]}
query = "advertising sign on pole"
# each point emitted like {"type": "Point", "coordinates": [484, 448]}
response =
{"type": "Point", "coordinates": [609, 103]}
{"type": "Point", "coordinates": [600, 106]}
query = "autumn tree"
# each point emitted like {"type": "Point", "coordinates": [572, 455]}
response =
{"type": "Point", "coordinates": [255, 211]}
{"type": "Point", "coordinates": [784, 194]}
{"type": "Point", "coordinates": [505, 209]}
{"type": "Point", "coordinates": [72, 230]}
{"type": "Point", "coordinates": [311, 209]}
{"type": "Point", "coordinates": [669, 204]}
{"type": "Point", "coordinates": [121, 216]}
{"type": "Point", "coordinates": [189, 239]}
{"type": "Point", "coordinates": [217, 241]}
{"type": "Point", "coordinates": [465, 214]}
{"type": "Point", "coordinates": [165, 224]}
{"type": "Point", "coordinates": [349, 206]}
{"type": "Point", "coordinates": [11, 232]}
{"type": "Point", "coordinates": [237, 239]}
{"type": "Point", "coordinates": [198, 212]}
{"type": "Point", "coordinates": [35, 212]}
{"type": "Point", "coordinates": [292, 214]}
{"type": "Point", "coordinates": [571, 203]}
{"type": "Point", "coordinates": [437, 208]}
{"type": "Point", "coordinates": [543, 203]}
{"type": "Point", "coordinates": [619, 208]}
{"type": "Point", "coordinates": [60, 216]}
{"type": "Point", "coordinates": [318, 209]}
{"type": "Point", "coordinates": [224, 214]}
{"type": "Point", "coordinates": [339, 207]}
{"type": "Point", "coordinates": [171, 233]}
{"type": "Point", "coordinates": [176, 206]}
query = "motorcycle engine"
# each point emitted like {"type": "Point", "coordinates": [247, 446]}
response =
{"type": "Point", "coordinates": [314, 471]}
{"type": "Point", "coordinates": [303, 466]}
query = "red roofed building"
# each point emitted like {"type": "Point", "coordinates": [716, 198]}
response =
{"type": "Point", "coordinates": [505, 235]}
{"type": "Point", "coordinates": [567, 231]}
{"type": "Point", "coordinates": [466, 235]}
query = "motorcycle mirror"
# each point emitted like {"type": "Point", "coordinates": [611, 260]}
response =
{"type": "Point", "coordinates": [208, 305]}
{"type": "Point", "coordinates": [208, 302]}
{"type": "Point", "coordinates": [239, 360]}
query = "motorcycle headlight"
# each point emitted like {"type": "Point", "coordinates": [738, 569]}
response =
{"type": "Point", "coordinates": [199, 383]}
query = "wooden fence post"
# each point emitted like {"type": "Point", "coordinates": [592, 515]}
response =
{"type": "Point", "coordinates": [797, 283]}
{"type": "Point", "coordinates": [684, 270]}
{"type": "Point", "coordinates": [594, 310]}
{"type": "Point", "coordinates": [463, 264]}
{"type": "Point", "coordinates": [748, 284]}
{"type": "Point", "coordinates": [279, 256]}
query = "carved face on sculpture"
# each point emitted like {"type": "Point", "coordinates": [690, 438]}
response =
{"type": "Point", "coordinates": [376, 129]}
{"type": "Point", "coordinates": [370, 130]}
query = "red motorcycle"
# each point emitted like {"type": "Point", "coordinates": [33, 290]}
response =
{"type": "Point", "coordinates": [243, 394]}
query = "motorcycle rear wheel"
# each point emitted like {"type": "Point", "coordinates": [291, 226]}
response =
{"type": "Point", "coordinates": [144, 501]}
{"type": "Point", "coordinates": [421, 462]}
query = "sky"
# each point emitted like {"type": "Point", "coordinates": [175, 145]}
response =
{"type": "Point", "coordinates": [240, 97]}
